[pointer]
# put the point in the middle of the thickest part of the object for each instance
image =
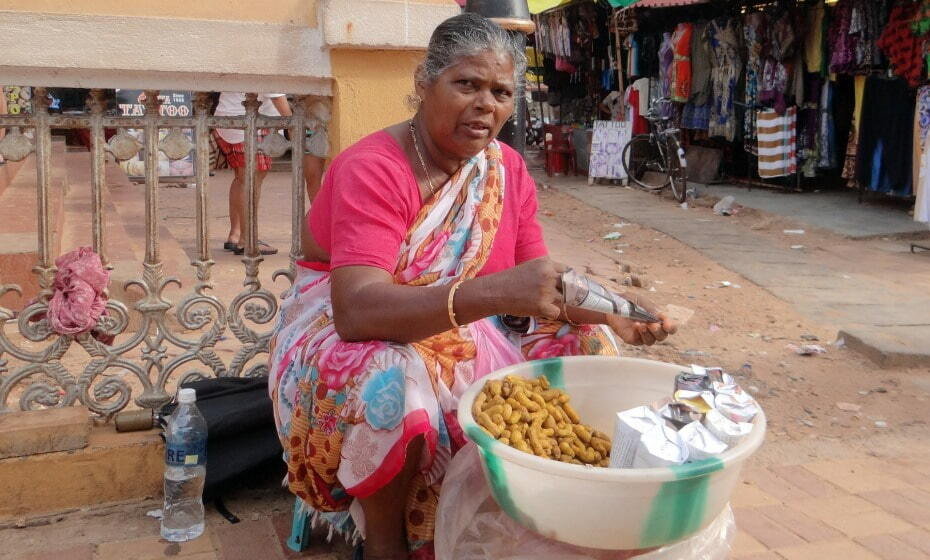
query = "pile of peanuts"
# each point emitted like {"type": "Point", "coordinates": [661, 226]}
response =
{"type": "Point", "coordinates": [528, 415]}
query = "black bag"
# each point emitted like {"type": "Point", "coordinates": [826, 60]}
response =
{"type": "Point", "coordinates": [241, 434]}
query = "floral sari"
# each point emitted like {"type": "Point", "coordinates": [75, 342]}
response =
{"type": "Point", "coordinates": [346, 411]}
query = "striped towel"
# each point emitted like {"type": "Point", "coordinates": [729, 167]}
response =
{"type": "Point", "coordinates": [777, 142]}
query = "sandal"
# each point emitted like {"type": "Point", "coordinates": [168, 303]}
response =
{"type": "Point", "coordinates": [230, 246]}
{"type": "Point", "coordinates": [263, 249]}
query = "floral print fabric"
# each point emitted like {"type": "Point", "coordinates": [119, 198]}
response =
{"type": "Point", "coordinates": [724, 41]}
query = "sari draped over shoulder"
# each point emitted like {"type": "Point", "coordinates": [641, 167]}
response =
{"type": "Point", "coordinates": [346, 411]}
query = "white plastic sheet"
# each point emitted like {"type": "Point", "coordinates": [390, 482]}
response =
{"type": "Point", "coordinates": [470, 526]}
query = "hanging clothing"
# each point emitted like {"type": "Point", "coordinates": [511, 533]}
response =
{"type": "Point", "coordinates": [666, 54]}
{"type": "Point", "coordinates": [647, 61]}
{"type": "Point", "coordinates": [918, 136]}
{"type": "Point", "coordinates": [700, 65]}
{"type": "Point", "coordinates": [922, 188]}
{"type": "Point", "coordinates": [826, 139]}
{"type": "Point", "coordinates": [633, 46]}
{"type": "Point", "coordinates": [666, 61]}
{"type": "Point", "coordinates": [724, 42]}
{"type": "Point", "coordinates": [921, 156]}
{"type": "Point", "coordinates": [644, 87]}
{"type": "Point", "coordinates": [852, 145]}
{"type": "Point", "coordinates": [696, 113]}
{"type": "Point", "coordinates": [842, 41]}
{"type": "Point", "coordinates": [695, 117]}
{"type": "Point", "coordinates": [777, 143]}
{"type": "Point", "coordinates": [778, 67]}
{"type": "Point", "coordinates": [681, 66]}
{"type": "Point", "coordinates": [904, 49]}
{"type": "Point", "coordinates": [809, 116]}
{"type": "Point", "coordinates": [814, 41]}
{"type": "Point", "coordinates": [774, 84]}
{"type": "Point", "coordinates": [885, 151]}
{"type": "Point", "coordinates": [634, 103]}
{"type": "Point", "coordinates": [754, 34]}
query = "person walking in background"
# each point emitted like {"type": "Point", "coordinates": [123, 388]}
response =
{"type": "Point", "coordinates": [232, 143]}
{"type": "Point", "coordinates": [316, 149]}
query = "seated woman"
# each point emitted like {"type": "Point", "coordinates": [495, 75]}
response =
{"type": "Point", "coordinates": [422, 236]}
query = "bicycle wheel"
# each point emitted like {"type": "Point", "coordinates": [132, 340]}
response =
{"type": "Point", "coordinates": [644, 163]}
{"type": "Point", "coordinates": [677, 169]}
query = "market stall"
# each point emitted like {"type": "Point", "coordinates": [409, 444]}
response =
{"type": "Point", "coordinates": [795, 94]}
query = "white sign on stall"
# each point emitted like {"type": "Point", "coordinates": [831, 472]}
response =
{"type": "Point", "coordinates": [607, 143]}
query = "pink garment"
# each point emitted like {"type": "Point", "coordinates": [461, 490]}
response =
{"type": "Point", "coordinates": [79, 299]}
{"type": "Point", "coordinates": [370, 198]}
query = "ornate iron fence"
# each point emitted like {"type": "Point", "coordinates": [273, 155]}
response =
{"type": "Point", "coordinates": [37, 376]}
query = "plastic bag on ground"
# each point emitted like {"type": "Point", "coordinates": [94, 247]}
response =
{"type": "Point", "coordinates": [470, 526]}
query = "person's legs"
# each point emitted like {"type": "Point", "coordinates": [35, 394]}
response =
{"type": "Point", "coordinates": [236, 205]}
{"type": "Point", "coordinates": [237, 215]}
{"type": "Point", "coordinates": [313, 174]}
{"type": "Point", "coordinates": [385, 511]}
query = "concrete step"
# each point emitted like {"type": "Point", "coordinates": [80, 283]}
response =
{"type": "Point", "coordinates": [112, 468]}
{"type": "Point", "coordinates": [19, 225]}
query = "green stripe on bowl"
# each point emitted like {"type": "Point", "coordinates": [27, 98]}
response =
{"type": "Point", "coordinates": [552, 369]}
{"type": "Point", "coordinates": [496, 475]}
{"type": "Point", "coordinates": [679, 507]}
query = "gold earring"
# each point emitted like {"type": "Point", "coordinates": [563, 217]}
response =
{"type": "Point", "coordinates": [413, 102]}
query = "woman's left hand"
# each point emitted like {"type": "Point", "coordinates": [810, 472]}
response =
{"type": "Point", "coordinates": [638, 334]}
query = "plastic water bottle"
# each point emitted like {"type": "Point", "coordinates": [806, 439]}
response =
{"type": "Point", "coordinates": [185, 469]}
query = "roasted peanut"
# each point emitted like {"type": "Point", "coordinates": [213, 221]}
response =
{"type": "Point", "coordinates": [530, 415]}
{"type": "Point", "coordinates": [582, 433]}
{"type": "Point", "coordinates": [485, 422]}
{"type": "Point", "coordinates": [570, 412]}
{"type": "Point", "coordinates": [506, 410]}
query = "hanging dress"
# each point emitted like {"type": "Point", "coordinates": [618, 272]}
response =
{"type": "Point", "coordinates": [724, 42]}
{"type": "Point", "coordinates": [696, 113]}
{"type": "Point", "coordinates": [681, 65]}
{"type": "Point", "coordinates": [754, 33]}
{"type": "Point", "coordinates": [666, 60]}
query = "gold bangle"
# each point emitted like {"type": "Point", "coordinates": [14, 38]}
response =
{"type": "Point", "coordinates": [567, 318]}
{"type": "Point", "coordinates": [450, 304]}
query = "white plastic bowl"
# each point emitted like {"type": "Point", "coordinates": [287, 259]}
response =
{"type": "Point", "coordinates": [615, 509]}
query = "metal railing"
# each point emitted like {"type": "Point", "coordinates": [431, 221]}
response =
{"type": "Point", "coordinates": [156, 351]}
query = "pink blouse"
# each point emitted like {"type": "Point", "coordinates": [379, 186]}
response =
{"type": "Point", "coordinates": [369, 199]}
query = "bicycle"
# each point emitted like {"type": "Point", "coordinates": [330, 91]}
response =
{"type": "Point", "coordinates": [656, 160]}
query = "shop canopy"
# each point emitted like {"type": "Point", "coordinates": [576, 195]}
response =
{"type": "Point", "coordinates": [537, 6]}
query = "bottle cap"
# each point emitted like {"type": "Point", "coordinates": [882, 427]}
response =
{"type": "Point", "coordinates": [187, 396]}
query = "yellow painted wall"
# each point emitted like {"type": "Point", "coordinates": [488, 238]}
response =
{"type": "Point", "coordinates": [369, 92]}
{"type": "Point", "coordinates": [296, 12]}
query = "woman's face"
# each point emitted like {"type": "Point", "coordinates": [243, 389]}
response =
{"type": "Point", "coordinates": [466, 106]}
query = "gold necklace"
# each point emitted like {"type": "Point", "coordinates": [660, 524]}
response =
{"type": "Point", "coordinates": [416, 146]}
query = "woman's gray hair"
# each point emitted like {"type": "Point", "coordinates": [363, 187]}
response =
{"type": "Point", "coordinates": [466, 35]}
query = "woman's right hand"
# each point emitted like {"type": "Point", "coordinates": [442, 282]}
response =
{"type": "Point", "coordinates": [531, 289]}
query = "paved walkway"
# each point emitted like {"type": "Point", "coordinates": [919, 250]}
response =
{"type": "Point", "coordinates": [854, 509]}
{"type": "Point", "coordinates": [881, 307]}
{"type": "Point", "coordinates": [838, 211]}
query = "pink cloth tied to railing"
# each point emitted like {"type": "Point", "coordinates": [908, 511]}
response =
{"type": "Point", "coordinates": [79, 297]}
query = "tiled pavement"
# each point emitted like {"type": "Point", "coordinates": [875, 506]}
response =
{"type": "Point", "coordinates": [864, 509]}
{"type": "Point", "coordinates": [260, 539]}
